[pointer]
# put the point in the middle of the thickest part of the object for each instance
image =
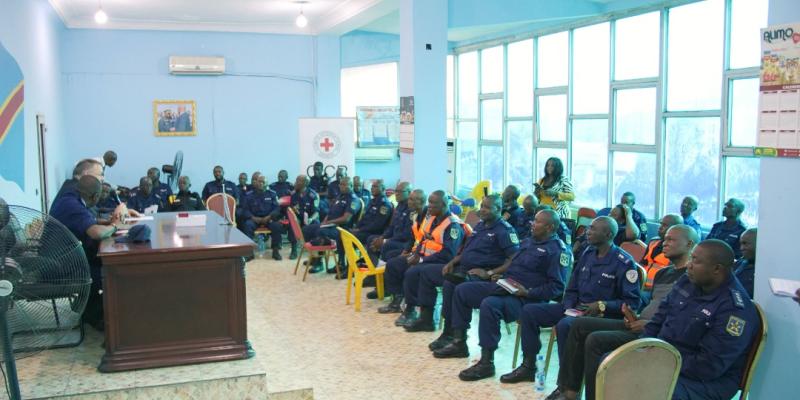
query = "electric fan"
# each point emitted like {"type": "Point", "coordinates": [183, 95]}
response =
{"type": "Point", "coordinates": [44, 285]}
{"type": "Point", "coordinates": [173, 171]}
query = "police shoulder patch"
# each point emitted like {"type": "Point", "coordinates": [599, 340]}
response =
{"type": "Point", "coordinates": [514, 238]}
{"type": "Point", "coordinates": [564, 260]}
{"type": "Point", "coordinates": [735, 326]}
{"type": "Point", "coordinates": [353, 206]}
{"type": "Point", "coordinates": [738, 300]}
{"type": "Point", "coordinates": [643, 227]}
{"type": "Point", "coordinates": [384, 210]}
{"type": "Point", "coordinates": [632, 276]}
{"type": "Point", "coordinates": [454, 233]}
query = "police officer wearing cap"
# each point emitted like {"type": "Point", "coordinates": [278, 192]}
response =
{"type": "Point", "coordinates": [536, 275]}
{"type": "Point", "coordinates": [305, 204]}
{"type": "Point", "coordinates": [340, 215]}
{"type": "Point", "coordinates": [491, 245]}
{"type": "Point", "coordinates": [512, 212]}
{"type": "Point", "coordinates": [261, 209]}
{"type": "Point", "coordinates": [377, 214]}
{"type": "Point", "coordinates": [217, 184]}
{"type": "Point", "coordinates": [603, 279]}
{"type": "Point", "coordinates": [437, 239]}
{"type": "Point", "coordinates": [161, 189]}
{"type": "Point", "coordinates": [185, 200]}
{"type": "Point", "coordinates": [145, 197]}
{"type": "Point", "coordinates": [745, 267]}
{"type": "Point", "coordinates": [731, 228]}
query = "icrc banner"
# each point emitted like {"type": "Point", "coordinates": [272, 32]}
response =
{"type": "Point", "coordinates": [329, 140]}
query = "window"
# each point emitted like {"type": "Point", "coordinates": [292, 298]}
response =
{"type": "Point", "coordinates": [692, 163]}
{"type": "Point", "coordinates": [635, 116]}
{"type": "Point", "coordinates": [520, 153]}
{"type": "Point", "coordinates": [590, 70]}
{"type": "Point", "coordinates": [553, 60]}
{"type": "Point", "coordinates": [743, 117]}
{"type": "Point", "coordinates": [369, 85]}
{"type": "Point", "coordinates": [492, 166]}
{"type": "Point", "coordinates": [467, 160]}
{"type": "Point", "coordinates": [468, 85]}
{"type": "Point", "coordinates": [747, 19]}
{"type": "Point", "coordinates": [741, 182]}
{"type": "Point", "coordinates": [552, 117]}
{"type": "Point", "coordinates": [694, 67]}
{"type": "Point", "coordinates": [492, 70]}
{"type": "Point", "coordinates": [542, 154]}
{"type": "Point", "coordinates": [635, 172]}
{"type": "Point", "coordinates": [492, 119]}
{"type": "Point", "coordinates": [520, 79]}
{"type": "Point", "coordinates": [636, 46]}
{"type": "Point", "coordinates": [590, 161]}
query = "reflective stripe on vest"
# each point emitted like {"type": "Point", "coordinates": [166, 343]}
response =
{"type": "Point", "coordinates": [654, 264]}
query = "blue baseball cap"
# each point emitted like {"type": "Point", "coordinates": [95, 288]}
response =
{"type": "Point", "coordinates": [137, 234]}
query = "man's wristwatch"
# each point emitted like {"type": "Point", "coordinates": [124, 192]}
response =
{"type": "Point", "coordinates": [421, 260]}
{"type": "Point", "coordinates": [602, 306]}
{"type": "Point", "coordinates": [490, 272]}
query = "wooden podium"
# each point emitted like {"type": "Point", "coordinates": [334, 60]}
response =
{"type": "Point", "coordinates": [178, 299]}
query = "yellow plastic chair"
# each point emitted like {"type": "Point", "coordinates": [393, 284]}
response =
{"type": "Point", "coordinates": [644, 369]}
{"type": "Point", "coordinates": [753, 354]}
{"type": "Point", "coordinates": [351, 245]}
{"type": "Point", "coordinates": [481, 190]}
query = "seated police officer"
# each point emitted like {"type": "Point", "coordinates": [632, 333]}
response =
{"type": "Point", "coordinates": [563, 231]}
{"type": "Point", "coordinates": [333, 187]}
{"type": "Point", "coordinates": [282, 186]}
{"type": "Point", "coordinates": [243, 186]}
{"type": "Point", "coordinates": [319, 183]}
{"type": "Point", "coordinates": [376, 216]}
{"type": "Point", "coordinates": [491, 245]}
{"type": "Point", "coordinates": [707, 317]}
{"type": "Point", "coordinates": [161, 189]}
{"type": "Point", "coordinates": [216, 186]}
{"type": "Point", "coordinates": [437, 239]}
{"type": "Point", "coordinates": [362, 193]}
{"type": "Point", "coordinates": [340, 215]}
{"type": "Point", "coordinates": [537, 273]}
{"type": "Point", "coordinates": [654, 258]}
{"type": "Point", "coordinates": [679, 241]}
{"type": "Point", "coordinates": [145, 197]}
{"type": "Point", "coordinates": [261, 210]}
{"type": "Point", "coordinates": [731, 228]}
{"type": "Point", "coordinates": [745, 267]}
{"type": "Point", "coordinates": [87, 166]}
{"type": "Point", "coordinates": [305, 204]}
{"type": "Point", "coordinates": [630, 217]}
{"type": "Point", "coordinates": [529, 205]}
{"type": "Point", "coordinates": [398, 235]}
{"type": "Point", "coordinates": [185, 200]}
{"type": "Point", "coordinates": [603, 279]}
{"type": "Point", "coordinates": [107, 203]}
{"type": "Point", "coordinates": [253, 179]}
{"type": "Point", "coordinates": [512, 212]}
{"type": "Point", "coordinates": [688, 207]}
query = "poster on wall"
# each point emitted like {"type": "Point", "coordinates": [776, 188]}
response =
{"type": "Point", "coordinates": [407, 124]}
{"type": "Point", "coordinates": [175, 118]}
{"type": "Point", "coordinates": [12, 128]}
{"type": "Point", "coordinates": [779, 92]}
{"type": "Point", "coordinates": [378, 126]}
{"type": "Point", "coordinates": [329, 140]}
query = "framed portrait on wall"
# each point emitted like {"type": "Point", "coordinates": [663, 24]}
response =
{"type": "Point", "coordinates": [174, 118]}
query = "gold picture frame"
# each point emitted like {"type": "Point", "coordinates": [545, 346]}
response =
{"type": "Point", "coordinates": [174, 118]}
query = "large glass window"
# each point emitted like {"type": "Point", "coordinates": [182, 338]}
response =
{"type": "Point", "coordinates": [492, 119]}
{"type": "Point", "coordinates": [747, 19]}
{"type": "Point", "coordinates": [520, 153]}
{"type": "Point", "coordinates": [553, 60]}
{"type": "Point", "coordinates": [692, 163]}
{"type": "Point", "coordinates": [542, 154]}
{"type": "Point", "coordinates": [552, 117]}
{"type": "Point", "coordinates": [635, 112]}
{"type": "Point", "coordinates": [467, 160]}
{"type": "Point", "coordinates": [468, 85]}
{"type": "Point", "coordinates": [635, 172]}
{"type": "Point", "coordinates": [694, 60]}
{"type": "Point", "coordinates": [743, 117]}
{"type": "Point", "coordinates": [492, 166]}
{"type": "Point", "coordinates": [492, 70]}
{"type": "Point", "coordinates": [369, 85]}
{"type": "Point", "coordinates": [741, 182]}
{"type": "Point", "coordinates": [520, 79]}
{"type": "Point", "coordinates": [590, 69]}
{"type": "Point", "coordinates": [637, 47]}
{"type": "Point", "coordinates": [590, 161]}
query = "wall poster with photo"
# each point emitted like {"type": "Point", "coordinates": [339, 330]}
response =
{"type": "Point", "coordinates": [174, 118]}
{"type": "Point", "coordinates": [378, 126]}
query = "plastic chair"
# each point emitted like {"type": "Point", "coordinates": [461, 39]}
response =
{"type": "Point", "coordinates": [637, 249]}
{"type": "Point", "coordinates": [585, 216]}
{"type": "Point", "coordinates": [753, 354]}
{"type": "Point", "coordinates": [472, 218]}
{"type": "Point", "coordinates": [644, 369]}
{"type": "Point", "coordinates": [360, 267]}
{"type": "Point", "coordinates": [298, 233]}
{"type": "Point", "coordinates": [216, 202]}
{"type": "Point", "coordinates": [481, 190]}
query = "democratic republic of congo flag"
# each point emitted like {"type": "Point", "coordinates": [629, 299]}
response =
{"type": "Point", "coordinates": [12, 120]}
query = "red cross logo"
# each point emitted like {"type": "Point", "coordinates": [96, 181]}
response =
{"type": "Point", "coordinates": [326, 144]}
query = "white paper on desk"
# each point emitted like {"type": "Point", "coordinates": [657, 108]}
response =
{"type": "Point", "coordinates": [784, 287]}
{"type": "Point", "coordinates": [151, 210]}
{"type": "Point", "coordinates": [137, 219]}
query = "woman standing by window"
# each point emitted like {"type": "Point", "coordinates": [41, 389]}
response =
{"type": "Point", "coordinates": [555, 189]}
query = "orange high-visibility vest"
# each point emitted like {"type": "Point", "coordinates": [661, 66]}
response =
{"type": "Point", "coordinates": [654, 264]}
{"type": "Point", "coordinates": [419, 230]}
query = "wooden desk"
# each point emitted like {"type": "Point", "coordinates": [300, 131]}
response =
{"type": "Point", "coordinates": [179, 299]}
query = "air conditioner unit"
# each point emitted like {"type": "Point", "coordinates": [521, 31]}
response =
{"type": "Point", "coordinates": [183, 65]}
{"type": "Point", "coordinates": [375, 154]}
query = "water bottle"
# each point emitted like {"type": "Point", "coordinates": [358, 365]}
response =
{"type": "Point", "coordinates": [262, 244]}
{"type": "Point", "coordinates": [539, 384]}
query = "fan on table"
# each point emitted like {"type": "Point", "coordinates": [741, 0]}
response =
{"type": "Point", "coordinates": [44, 285]}
{"type": "Point", "coordinates": [173, 171]}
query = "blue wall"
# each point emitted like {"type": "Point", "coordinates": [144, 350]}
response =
{"type": "Point", "coordinates": [30, 30]}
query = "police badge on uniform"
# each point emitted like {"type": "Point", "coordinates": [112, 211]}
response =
{"type": "Point", "coordinates": [514, 238]}
{"type": "Point", "coordinates": [384, 210]}
{"type": "Point", "coordinates": [632, 276]}
{"type": "Point", "coordinates": [643, 227]}
{"type": "Point", "coordinates": [453, 233]}
{"type": "Point", "coordinates": [564, 259]}
{"type": "Point", "coordinates": [735, 326]}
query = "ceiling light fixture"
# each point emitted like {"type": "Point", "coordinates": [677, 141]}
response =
{"type": "Point", "coordinates": [100, 16]}
{"type": "Point", "coordinates": [301, 21]}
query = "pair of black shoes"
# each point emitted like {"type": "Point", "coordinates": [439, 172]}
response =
{"type": "Point", "coordinates": [523, 373]}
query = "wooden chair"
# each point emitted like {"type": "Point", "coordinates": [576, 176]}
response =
{"type": "Point", "coordinates": [298, 233]}
{"type": "Point", "coordinates": [354, 251]}
{"type": "Point", "coordinates": [636, 249]}
{"type": "Point", "coordinates": [216, 202]}
{"type": "Point", "coordinates": [753, 354]}
{"type": "Point", "coordinates": [644, 369]}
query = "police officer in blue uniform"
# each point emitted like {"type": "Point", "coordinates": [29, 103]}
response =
{"type": "Point", "coordinates": [398, 235]}
{"type": "Point", "coordinates": [491, 245]}
{"type": "Point", "coordinates": [305, 204]}
{"type": "Point", "coordinates": [319, 183]}
{"type": "Point", "coordinates": [261, 209]}
{"type": "Point", "coordinates": [282, 186]}
{"type": "Point", "coordinates": [243, 186]}
{"type": "Point", "coordinates": [253, 179]}
{"type": "Point", "coordinates": [340, 215]}
{"type": "Point", "coordinates": [107, 202]}
{"type": "Point", "coordinates": [627, 203]}
{"type": "Point", "coordinates": [731, 228]}
{"type": "Point", "coordinates": [563, 232]}
{"type": "Point", "coordinates": [377, 215]}
{"type": "Point", "coordinates": [216, 185]}
{"type": "Point", "coordinates": [688, 207]}
{"type": "Point", "coordinates": [145, 197]}
{"type": "Point", "coordinates": [603, 279]}
{"type": "Point", "coordinates": [333, 187]}
{"type": "Point", "coordinates": [358, 188]}
{"type": "Point", "coordinates": [745, 267]}
{"type": "Point", "coordinates": [527, 216]}
{"type": "Point", "coordinates": [161, 189]}
{"type": "Point", "coordinates": [438, 212]}
{"type": "Point", "coordinates": [185, 200]}
{"type": "Point", "coordinates": [512, 212]}
{"type": "Point", "coordinates": [537, 274]}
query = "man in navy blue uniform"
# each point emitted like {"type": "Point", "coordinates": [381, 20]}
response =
{"type": "Point", "coordinates": [731, 228]}
{"type": "Point", "coordinates": [107, 202]}
{"type": "Point", "coordinates": [305, 204]}
{"type": "Point", "coordinates": [333, 187]}
{"type": "Point", "coordinates": [145, 197]}
{"type": "Point", "coordinates": [362, 193]}
{"type": "Point", "coordinates": [688, 207]}
{"type": "Point", "coordinates": [563, 231]}
{"type": "Point", "coordinates": [84, 167]}
{"type": "Point", "coordinates": [340, 215]}
{"type": "Point", "coordinates": [161, 189]}
{"type": "Point", "coordinates": [73, 210]}
{"type": "Point", "coordinates": [527, 216]}
{"type": "Point", "coordinates": [397, 236]}
{"type": "Point", "coordinates": [537, 274]}
{"type": "Point", "coordinates": [745, 267]}
{"type": "Point", "coordinates": [491, 245]}
{"type": "Point", "coordinates": [437, 239]}
{"type": "Point", "coordinates": [282, 186]}
{"type": "Point", "coordinates": [185, 200]}
{"type": "Point", "coordinates": [377, 214]}
{"type": "Point", "coordinates": [216, 185]}
{"type": "Point", "coordinates": [243, 186]}
{"type": "Point", "coordinates": [319, 184]}
{"type": "Point", "coordinates": [512, 212]}
{"type": "Point", "coordinates": [603, 279]}
{"type": "Point", "coordinates": [261, 209]}
{"type": "Point", "coordinates": [630, 216]}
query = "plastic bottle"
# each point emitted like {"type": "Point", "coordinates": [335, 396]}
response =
{"type": "Point", "coordinates": [539, 384]}
{"type": "Point", "coordinates": [262, 244]}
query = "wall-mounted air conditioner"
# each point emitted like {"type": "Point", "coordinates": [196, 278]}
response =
{"type": "Point", "coordinates": [375, 154]}
{"type": "Point", "coordinates": [186, 65]}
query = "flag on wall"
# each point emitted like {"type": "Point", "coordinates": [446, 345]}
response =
{"type": "Point", "coordinates": [12, 120]}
